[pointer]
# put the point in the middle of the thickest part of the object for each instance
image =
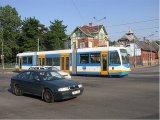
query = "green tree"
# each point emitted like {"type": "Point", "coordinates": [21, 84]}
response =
{"type": "Point", "coordinates": [31, 31]}
{"type": "Point", "coordinates": [56, 35]}
{"type": "Point", "coordinates": [10, 23]}
{"type": "Point", "coordinates": [112, 43]}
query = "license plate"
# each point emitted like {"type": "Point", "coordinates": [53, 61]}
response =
{"type": "Point", "coordinates": [75, 92]}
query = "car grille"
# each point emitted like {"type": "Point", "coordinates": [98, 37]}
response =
{"type": "Point", "coordinates": [74, 87]}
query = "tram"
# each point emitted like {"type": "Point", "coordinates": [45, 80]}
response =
{"type": "Point", "coordinates": [87, 61]}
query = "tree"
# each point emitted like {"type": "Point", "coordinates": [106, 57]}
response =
{"type": "Point", "coordinates": [112, 43]}
{"type": "Point", "coordinates": [31, 31]}
{"type": "Point", "coordinates": [56, 35]}
{"type": "Point", "coordinates": [10, 23]}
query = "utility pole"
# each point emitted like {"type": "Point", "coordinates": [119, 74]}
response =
{"type": "Point", "coordinates": [134, 53]}
{"type": "Point", "coordinates": [38, 46]}
{"type": "Point", "coordinates": [2, 56]}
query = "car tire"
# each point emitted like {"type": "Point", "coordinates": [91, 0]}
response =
{"type": "Point", "coordinates": [48, 96]}
{"type": "Point", "coordinates": [17, 90]}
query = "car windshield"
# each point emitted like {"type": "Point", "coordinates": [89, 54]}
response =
{"type": "Point", "coordinates": [124, 56]}
{"type": "Point", "coordinates": [50, 75]}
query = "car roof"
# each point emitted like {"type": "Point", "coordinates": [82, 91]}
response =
{"type": "Point", "coordinates": [39, 70]}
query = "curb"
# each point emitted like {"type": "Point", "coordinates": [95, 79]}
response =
{"type": "Point", "coordinates": [141, 67]}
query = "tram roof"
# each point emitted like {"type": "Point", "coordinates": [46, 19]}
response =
{"type": "Point", "coordinates": [99, 49]}
{"type": "Point", "coordinates": [69, 51]}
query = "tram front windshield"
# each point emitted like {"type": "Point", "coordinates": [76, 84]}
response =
{"type": "Point", "coordinates": [124, 55]}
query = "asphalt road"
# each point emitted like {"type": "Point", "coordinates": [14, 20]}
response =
{"type": "Point", "coordinates": [134, 96]}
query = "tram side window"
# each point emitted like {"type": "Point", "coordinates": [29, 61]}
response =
{"type": "Point", "coordinates": [24, 60]}
{"type": "Point", "coordinates": [124, 55]}
{"type": "Point", "coordinates": [95, 58]}
{"type": "Point", "coordinates": [56, 61]}
{"type": "Point", "coordinates": [27, 60]}
{"type": "Point", "coordinates": [49, 61]}
{"type": "Point", "coordinates": [84, 58]}
{"type": "Point", "coordinates": [30, 60]}
{"type": "Point", "coordinates": [114, 58]}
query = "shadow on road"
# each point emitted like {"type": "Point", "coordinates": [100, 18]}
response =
{"type": "Point", "coordinates": [155, 117]}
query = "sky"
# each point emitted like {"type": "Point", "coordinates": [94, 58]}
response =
{"type": "Point", "coordinates": [141, 16]}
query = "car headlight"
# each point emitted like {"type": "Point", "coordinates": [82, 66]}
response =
{"type": "Point", "coordinates": [63, 89]}
{"type": "Point", "coordinates": [80, 85]}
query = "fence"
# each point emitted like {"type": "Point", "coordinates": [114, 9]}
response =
{"type": "Point", "coordinates": [8, 65]}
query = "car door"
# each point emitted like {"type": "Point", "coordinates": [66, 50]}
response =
{"type": "Point", "coordinates": [23, 81]}
{"type": "Point", "coordinates": [35, 84]}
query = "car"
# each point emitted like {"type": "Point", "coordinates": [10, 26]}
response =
{"type": "Point", "coordinates": [65, 74]}
{"type": "Point", "coordinates": [36, 68]}
{"type": "Point", "coordinates": [48, 84]}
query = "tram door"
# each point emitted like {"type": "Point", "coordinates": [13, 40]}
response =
{"type": "Point", "coordinates": [64, 62]}
{"type": "Point", "coordinates": [41, 60]}
{"type": "Point", "coordinates": [104, 63]}
{"type": "Point", "coordinates": [20, 63]}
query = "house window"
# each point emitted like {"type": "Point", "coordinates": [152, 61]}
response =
{"type": "Point", "coordinates": [101, 37]}
{"type": "Point", "coordinates": [82, 35]}
{"type": "Point", "coordinates": [82, 45]}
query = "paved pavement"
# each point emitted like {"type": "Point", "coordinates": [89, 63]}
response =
{"type": "Point", "coordinates": [132, 97]}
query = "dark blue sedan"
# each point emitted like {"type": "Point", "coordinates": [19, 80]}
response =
{"type": "Point", "coordinates": [48, 84]}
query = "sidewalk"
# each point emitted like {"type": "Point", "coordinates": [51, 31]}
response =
{"type": "Point", "coordinates": [141, 69]}
{"type": "Point", "coordinates": [7, 70]}
{"type": "Point", "coordinates": [140, 66]}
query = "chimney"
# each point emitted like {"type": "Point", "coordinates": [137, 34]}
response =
{"type": "Point", "coordinates": [90, 24]}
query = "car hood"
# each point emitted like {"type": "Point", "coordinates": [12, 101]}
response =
{"type": "Point", "coordinates": [62, 83]}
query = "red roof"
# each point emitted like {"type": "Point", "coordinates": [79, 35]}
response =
{"type": "Point", "coordinates": [89, 30]}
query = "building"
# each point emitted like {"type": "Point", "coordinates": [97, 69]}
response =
{"type": "Point", "coordinates": [140, 52]}
{"type": "Point", "coordinates": [89, 36]}
{"type": "Point", "coordinates": [128, 38]}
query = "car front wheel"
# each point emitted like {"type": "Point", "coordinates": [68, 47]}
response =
{"type": "Point", "coordinates": [48, 96]}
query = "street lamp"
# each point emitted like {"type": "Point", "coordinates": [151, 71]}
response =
{"type": "Point", "coordinates": [39, 30]}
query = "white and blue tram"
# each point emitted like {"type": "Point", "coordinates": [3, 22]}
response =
{"type": "Point", "coordinates": [86, 61]}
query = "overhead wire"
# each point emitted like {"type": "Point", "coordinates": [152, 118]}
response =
{"type": "Point", "coordinates": [136, 22]}
{"type": "Point", "coordinates": [134, 30]}
{"type": "Point", "coordinates": [78, 11]}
